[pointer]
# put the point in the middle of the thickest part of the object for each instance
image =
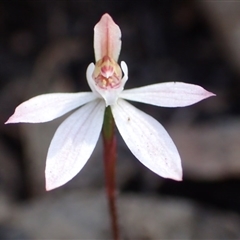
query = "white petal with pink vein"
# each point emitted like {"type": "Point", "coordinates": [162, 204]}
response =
{"type": "Point", "coordinates": [73, 144]}
{"type": "Point", "coordinates": [47, 107]}
{"type": "Point", "coordinates": [147, 140]}
{"type": "Point", "coordinates": [169, 94]}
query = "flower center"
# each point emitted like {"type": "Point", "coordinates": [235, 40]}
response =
{"type": "Point", "coordinates": [107, 73]}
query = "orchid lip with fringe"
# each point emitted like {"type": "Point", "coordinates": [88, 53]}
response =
{"type": "Point", "coordinates": [76, 138]}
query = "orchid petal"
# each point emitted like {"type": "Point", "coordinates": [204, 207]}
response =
{"type": "Point", "coordinates": [125, 71]}
{"type": "Point", "coordinates": [147, 140]}
{"type": "Point", "coordinates": [107, 38]}
{"type": "Point", "coordinates": [73, 144]}
{"type": "Point", "coordinates": [169, 94]}
{"type": "Point", "coordinates": [90, 79]}
{"type": "Point", "coordinates": [46, 107]}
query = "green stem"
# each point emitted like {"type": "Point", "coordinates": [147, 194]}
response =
{"type": "Point", "coordinates": [110, 155]}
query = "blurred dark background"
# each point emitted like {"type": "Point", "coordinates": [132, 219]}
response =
{"type": "Point", "coordinates": [46, 46]}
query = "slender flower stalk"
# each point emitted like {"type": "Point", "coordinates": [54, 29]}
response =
{"type": "Point", "coordinates": [76, 138]}
{"type": "Point", "coordinates": [110, 155]}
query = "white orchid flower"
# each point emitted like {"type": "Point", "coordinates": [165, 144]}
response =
{"type": "Point", "coordinates": [76, 138]}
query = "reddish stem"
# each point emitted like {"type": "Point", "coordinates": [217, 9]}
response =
{"type": "Point", "coordinates": [110, 155]}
